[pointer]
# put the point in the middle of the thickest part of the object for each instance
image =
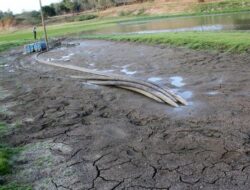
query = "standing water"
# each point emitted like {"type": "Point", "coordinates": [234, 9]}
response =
{"type": "Point", "coordinates": [233, 21]}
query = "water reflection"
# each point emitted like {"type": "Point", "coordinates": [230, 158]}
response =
{"type": "Point", "coordinates": [236, 21]}
{"type": "Point", "coordinates": [177, 81]}
{"type": "Point", "coordinates": [154, 79]}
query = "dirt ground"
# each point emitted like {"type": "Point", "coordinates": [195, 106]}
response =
{"type": "Point", "coordinates": [80, 136]}
{"type": "Point", "coordinates": [156, 7]}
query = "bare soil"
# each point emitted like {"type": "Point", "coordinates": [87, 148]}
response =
{"type": "Point", "coordinates": [81, 136]}
{"type": "Point", "coordinates": [156, 7]}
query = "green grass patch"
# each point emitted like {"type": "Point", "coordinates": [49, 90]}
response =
{"type": "Point", "coordinates": [5, 159]}
{"type": "Point", "coordinates": [6, 162]}
{"type": "Point", "coordinates": [219, 41]}
{"type": "Point", "coordinates": [21, 37]}
{"type": "Point", "coordinates": [3, 128]}
{"type": "Point", "coordinates": [85, 17]}
{"type": "Point", "coordinates": [5, 153]}
{"type": "Point", "coordinates": [84, 25]}
{"type": "Point", "coordinates": [6, 45]}
{"type": "Point", "coordinates": [15, 186]}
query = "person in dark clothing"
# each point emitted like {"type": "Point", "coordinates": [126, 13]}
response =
{"type": "Point", "coordinates": [34, 32]}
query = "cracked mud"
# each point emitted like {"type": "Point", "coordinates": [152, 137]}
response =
{"type": "Point", "coordinates": [80, 136]}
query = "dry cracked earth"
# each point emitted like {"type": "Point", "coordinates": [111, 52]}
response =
{"type": "Point", "coordinates": [77, 136]}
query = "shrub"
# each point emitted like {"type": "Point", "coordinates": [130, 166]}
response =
{"type": "Point", "coordinates": [86, 17]}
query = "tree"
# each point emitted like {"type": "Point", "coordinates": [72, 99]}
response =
{"type": "Point", "coordinates": [63, 8]}
{"type": "Point", "coordinates": [48, 11]}
{"type": "Point", "coordinates": [69, 5]}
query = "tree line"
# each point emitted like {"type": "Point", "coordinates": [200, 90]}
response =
{"type": "Point", "coordinates": [74, 6]}
{"type": "Point", "coordinates": [8, 19]}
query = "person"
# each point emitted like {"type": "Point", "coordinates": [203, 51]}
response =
{"type": "Point", "coordinates": [34, 32]}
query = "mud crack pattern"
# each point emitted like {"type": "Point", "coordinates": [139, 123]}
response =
{"type": "Point", "coordinates": [76, 136]}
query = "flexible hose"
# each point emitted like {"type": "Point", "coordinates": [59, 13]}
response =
{"type": "Point", "coordinates": [166, 92]}
{"type": "Point", "coordinates": [148, 89]}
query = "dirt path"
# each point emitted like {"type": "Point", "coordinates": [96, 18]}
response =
{"type": "Point", "coordinates": [81, 136]}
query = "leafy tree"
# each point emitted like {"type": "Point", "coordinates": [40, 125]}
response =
{"type": "Point", "coordinates": [69, 5]}
{"type": "Point", "coordinates": [49, 11]}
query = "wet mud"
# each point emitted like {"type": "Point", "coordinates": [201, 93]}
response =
{"type": "Point", "coordinates": [81, 136]}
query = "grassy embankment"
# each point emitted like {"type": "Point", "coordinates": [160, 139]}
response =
{"type": "Point", "coordinates": [219, 41]}
{"type": "Point", "coordinates": [226, 6]}
{"type": "Point", "coordinates": [20, 37]}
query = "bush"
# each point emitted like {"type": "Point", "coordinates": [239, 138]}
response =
{"type": "Point", "coordinates": [125, 13]}
{"type": "Point", "coordinates": [86, 17]}
{"type": "Point", "coordinates": [141, 12]}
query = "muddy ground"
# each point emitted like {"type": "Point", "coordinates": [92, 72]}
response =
{"type": "Point", "coordinates": [80, 136]}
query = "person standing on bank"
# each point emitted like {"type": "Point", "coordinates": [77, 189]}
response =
{"type": "Point", "coordinates": [34, 32]}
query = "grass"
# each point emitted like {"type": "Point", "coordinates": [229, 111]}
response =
{"type": "Point", "coordinates": [14, 186]}
{"type": "Point", "coordinates": [5, 166]}
{"type": "Point", "coordinates": [3, 129]}
{"type": "Point", "coordinates": [4, 45]}
{"type": "Point", "coordinates": [225, 6]}
{"type": "Point", "coordinates": [5, 153]}
{"type": "Point", "coordinates": [23, 36]}
{"type": "Point", "coordinates": [219, 41]}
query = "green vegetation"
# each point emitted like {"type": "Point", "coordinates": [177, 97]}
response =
{"type": "Point", "coordinates": [220, 41]}
{"type": "Point", "coordinates": [7, 19]}
{"type": "Point", "coordinates": [225, 6]}
{"type": "Point", "coordinates": [2, 128]}
{"type": "Point", "coordinates": [5, 153]}
{"type": "Point", "coordinates": [14, 186]}
{"type": "Point", "coordinates": [4, 45]}
{"type": "Point", "coordinates": [140, 12]}
{"type": "Point", "coordinates": [20, 37]}
{"type": "Point", "coordinates": [86, 17]}
{"type": "Point", "coordinates": [90, 22]}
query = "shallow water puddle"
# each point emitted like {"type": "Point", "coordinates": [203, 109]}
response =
{"type": "Point", "coordinates": [107, 71]}
{"type": "Point", "coordinates": [177, 81]}
{"type": "Point", "coordinates": [63, 58]}
{"type": "Point", "coordinates": [154, 79]}
{"type": "Point", "coordinates": [66, 57]}
{"type": "Point", "coordinates": [5, 65]}
{"type": "Point", "coordinates": [126, 71]}
{"type": "Point", "coordinates": [186, 94]}
{"type": "Point", "coordinates": [213, 93]}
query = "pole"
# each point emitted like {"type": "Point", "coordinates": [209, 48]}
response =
{"type": "Point", "coordinates": [44, 27]}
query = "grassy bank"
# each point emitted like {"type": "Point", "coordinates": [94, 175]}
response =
{"type": "Point", "coordinates": [20, 37]}
{"type": "Point", "coordinates": [225, 6]}
{"type": "Point", "coordinates": [10, 39]}
{"type": "Point", "coordinates": [219, 41]}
